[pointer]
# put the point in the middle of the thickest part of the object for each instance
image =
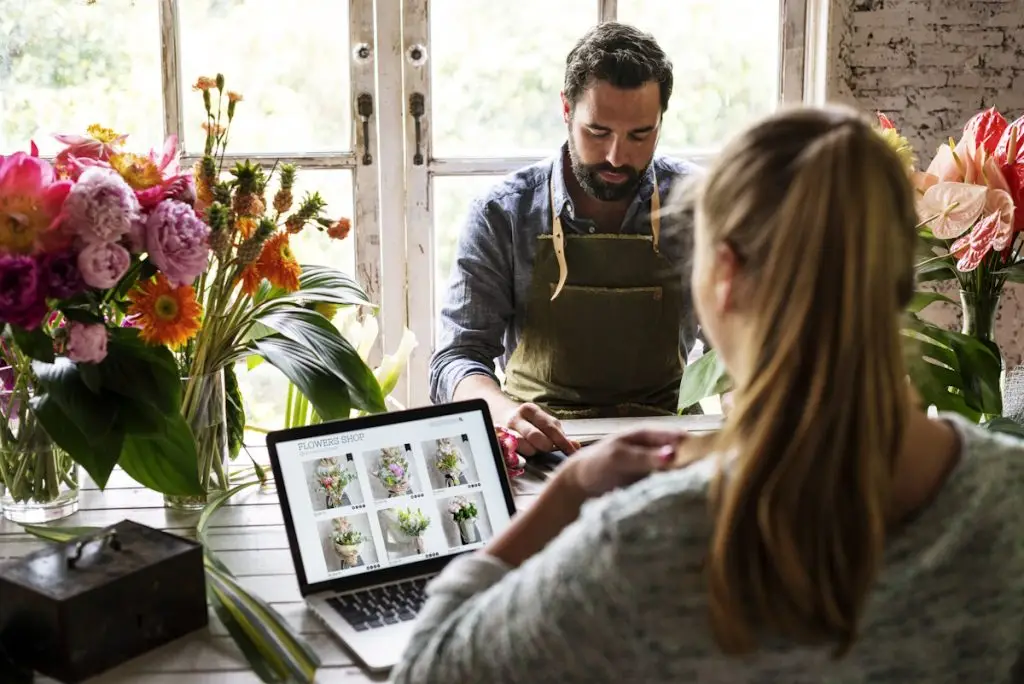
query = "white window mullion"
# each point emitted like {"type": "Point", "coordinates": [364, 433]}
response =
{"type": "Point", "coordinates": [170, 69]}
{"type": "Point", "coordinates": [389, 109]}
{"type": "Point", "coordinates": [793, 20]}
{"type": "Point", "coordinates": [364, 158]}
{"type": "Point", "coordinates": [418, 170]}
{"type": "Point", "coordinates": [607, 10]}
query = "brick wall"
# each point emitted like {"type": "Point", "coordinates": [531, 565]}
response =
{"type": "Point", "coordinates": [930, 65]}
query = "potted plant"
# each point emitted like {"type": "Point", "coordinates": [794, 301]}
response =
{"type": "Point", "coordinates": [393, 471]}
{"type": "Point", "coordinates": [347, 542]}
{"type": "Point", "coordinates": [464, 514]}
{"type": "Point", "coordinates": [413, 523]}
{"type": "Point", "coordinates": [449, 462]}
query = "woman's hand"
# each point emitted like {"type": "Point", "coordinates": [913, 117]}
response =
{"type": "Point", "coordinates": [620, 460]}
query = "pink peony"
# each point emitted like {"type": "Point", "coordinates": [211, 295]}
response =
{"type": "Point", "coordinates": [22, 296]}
{"type": "Point", "coordinates": [177, 242]}
{"type": "Point", "coordinates": [87, 343]}
{"type": "Point", "coordinates": [59, 271]}
{"type": "Point", "coordinates": [101, 206]}
{"type": "Point", "coordinates": [103, 263]}
{"type": "Point", "coordinates": [99, 144]}
{"type": "Point", "coordinates": [31, 201]}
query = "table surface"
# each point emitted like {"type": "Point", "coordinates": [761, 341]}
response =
{"type": "Point", "coordinates": [248, 535]}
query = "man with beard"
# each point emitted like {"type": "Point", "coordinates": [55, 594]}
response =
{"type": "Point", "coordinates": [567, 270]}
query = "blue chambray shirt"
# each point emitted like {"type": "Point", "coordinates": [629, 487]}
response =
{"type": "Point", "coordinates": [484, 307]}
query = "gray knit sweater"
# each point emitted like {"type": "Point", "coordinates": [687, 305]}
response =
{"type": "Point", "coordinates": [618, 596]}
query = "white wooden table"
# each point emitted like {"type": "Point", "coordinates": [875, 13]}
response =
{"type": "Point", "coordinates": [248, 535]}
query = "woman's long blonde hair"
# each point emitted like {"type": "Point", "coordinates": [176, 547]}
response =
{"type": "Point", "coordinates": [820, 214]}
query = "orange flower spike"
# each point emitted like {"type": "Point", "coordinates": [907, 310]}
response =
{"type": "Point", "coordinates": [165, 315]}
{"type": "Point", "coordinates": [340, 229]}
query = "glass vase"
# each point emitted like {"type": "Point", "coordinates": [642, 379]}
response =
{"type": "Point", "coordinates": [204, 406]}
{"type": "Point", "coordinates": [979, 322]}
{"type": "Point", "coordinates": [38, 480]}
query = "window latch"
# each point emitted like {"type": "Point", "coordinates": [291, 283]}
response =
{"type": "Point", "coordinates": [364, 107]}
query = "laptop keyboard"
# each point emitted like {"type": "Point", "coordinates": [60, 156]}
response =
{"type": "Point", "coordinates": [381, 606]}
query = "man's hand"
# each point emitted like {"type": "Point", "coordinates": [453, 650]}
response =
{"type": "Point", "coordinates": [539, 431]}
{"type": "Point", "coordinates": [620, 460]}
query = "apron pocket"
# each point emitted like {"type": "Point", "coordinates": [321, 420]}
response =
{"type": "Point", "coordinates": [604, 341]}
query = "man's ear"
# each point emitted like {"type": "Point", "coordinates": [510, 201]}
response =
{"type": "Point", "coordinates": [566, 109]}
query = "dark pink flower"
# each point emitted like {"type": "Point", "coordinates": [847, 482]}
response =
{"type": "Point", "coordinates": [22, 298]}
{"type": "Point", "coordinates": [60, 274]}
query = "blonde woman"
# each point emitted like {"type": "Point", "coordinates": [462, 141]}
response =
{"type": "Point", "coordinates": [831, 532]}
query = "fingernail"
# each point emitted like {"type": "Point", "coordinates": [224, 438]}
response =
{"type": "Point", "coordinates": [666, 453]}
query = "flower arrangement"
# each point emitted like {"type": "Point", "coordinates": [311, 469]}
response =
{"type": "Point", "coordinates": [461, 509]}
{"type": "Point", "coordinates": [412, 521]}
{"type": "Point", "coordinates": [449, 461]}
{"type": "Point", "coordinates": [393, 471]}
{"type": "Point", "coordinates": [508, 440]}
{"type": "Point", "coordinates": [344, 534]}
{"type": "Point", "coordinates": [970, 202]}
{"type": "Point", "coordinates": [331, 480]}
{"type": "Point", "coordinates": [83, 384]}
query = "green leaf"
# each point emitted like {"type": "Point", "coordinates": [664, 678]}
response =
{"type": "Point", "coordinates": [325, 390]}
{"type": "Point", "coordinates": [331, 350]}
{"type": "Point", "coordinates": [923, 299]}
{"type": "Point", "coordinates": [1013, 273]}
{"type": "Point", "coordinates": [282, 650]}
{"type": "Point", "coordinates": [60, 534]}
{"type": "Point", "coordinates": [35, 344]}
{"type": "Point", "coordinates": [141, 372]}
{"type": "Point", "coordinates": [703, 378]}
{"type": "Point", "coordinates": [96, 449]}
{"type": "Point", "coordinates": [81, 316]}
{"type": "Point", "coordinates": [165, 462]}
{"type": "Point", "coordinates": [235, 411]}
{"type": "Point", "coordinates": [936, 270]}
{"type": "Point", "coordinates": [1004, 425]}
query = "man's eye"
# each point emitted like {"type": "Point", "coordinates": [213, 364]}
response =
{"type": "Point", "coordinates": [598, 134]}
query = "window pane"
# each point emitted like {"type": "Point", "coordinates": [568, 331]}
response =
{"type": "Point", "coordinates": [65, 65]}
{"type": "Point", "coordinates": [725, 56]}
{"type": "Point", "coordinates": [452, 197]}
{"type": "Point", "coordinates": [264, 389]}
{"type": "Point", "coordinates": [289, 60]}
{"type": "Point", "coordinates": [496, 74]}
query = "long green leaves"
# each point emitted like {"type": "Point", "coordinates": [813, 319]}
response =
{"type": "Point", "coordinates": [126, 409]}
{"type": "Point", "coordinates": [273, 648]}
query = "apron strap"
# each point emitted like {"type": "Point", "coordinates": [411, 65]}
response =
{"type": "Point", "coordinates": [558, 234]}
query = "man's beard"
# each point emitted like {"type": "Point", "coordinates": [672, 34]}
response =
{"type": "Point", "coordinates": [597, 187]}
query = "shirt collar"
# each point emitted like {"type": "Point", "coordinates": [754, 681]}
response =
{"type": "Point", "coordinates": [563, 201]}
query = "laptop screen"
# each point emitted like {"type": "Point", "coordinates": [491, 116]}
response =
{"type": "Point", "coordinates": [364, 499]}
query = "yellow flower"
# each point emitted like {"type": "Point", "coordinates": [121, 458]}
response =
{"type": "Point", "coordinates": [900, 146]}
{"type": "Point", "coordinates": [103, 134]}
{"type": "Point", "coordinates": [138, 171]}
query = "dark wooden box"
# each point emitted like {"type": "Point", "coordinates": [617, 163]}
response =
{"type": "Point", "coordinates": [76, 609]}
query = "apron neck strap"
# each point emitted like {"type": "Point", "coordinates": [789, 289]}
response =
{"type": "Point", "coordinates": [558, 234]}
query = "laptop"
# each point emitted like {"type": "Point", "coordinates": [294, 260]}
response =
{"type": "Point", "coordinates": [376, 506]}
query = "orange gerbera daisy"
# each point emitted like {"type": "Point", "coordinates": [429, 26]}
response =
{"type": "Point", "coordinates": [277, 263]}
{"type": "Point", "coordinates": [251, 279]}
{"type": "Point", "coordinates": [164, 314]}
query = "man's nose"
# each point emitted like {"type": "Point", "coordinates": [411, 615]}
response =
{"type": "Point", "coordinates": [617, 153]}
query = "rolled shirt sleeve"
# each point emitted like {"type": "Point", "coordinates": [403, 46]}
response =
{"type": "Point", "coordinates": [478, 303]}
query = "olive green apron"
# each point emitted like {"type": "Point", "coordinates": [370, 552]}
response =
{"type": "Point", "coordinates": [601, 337]}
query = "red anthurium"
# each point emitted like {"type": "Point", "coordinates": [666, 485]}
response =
{"type": "Point", "coordinates": [1014, 175]}
{"type": "Point", "coordinates": [972, 248]}
{"type": "Point", "coordinates": [884, 122]}
{"type": "Point", "coordinates": [1011, 144]}
{"type": "Point", "coordinates": [984, 130]}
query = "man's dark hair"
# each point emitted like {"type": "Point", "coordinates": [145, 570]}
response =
{"type": "Point", "coordinates": [620, 54]}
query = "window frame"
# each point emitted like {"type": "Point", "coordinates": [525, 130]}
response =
{"type": "Point", "coordinates": [803, 30]}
